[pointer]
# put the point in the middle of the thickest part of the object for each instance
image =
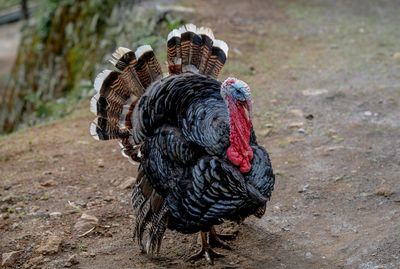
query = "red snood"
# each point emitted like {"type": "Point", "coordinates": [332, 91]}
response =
{"type": "Point", "coordinates": [239, 152]}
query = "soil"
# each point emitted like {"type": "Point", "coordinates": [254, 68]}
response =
{"type": "Point", "coordinates": [326, 87]}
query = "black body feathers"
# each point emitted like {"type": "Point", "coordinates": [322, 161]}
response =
{"type": "Point", "coordinates": [177, 127]}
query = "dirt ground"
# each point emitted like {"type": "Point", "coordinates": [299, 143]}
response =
{"type": "Point", "coordinates": [326, 84]}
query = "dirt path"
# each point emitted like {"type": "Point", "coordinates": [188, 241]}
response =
{"type": "Point", "coordinates": [326, 89]}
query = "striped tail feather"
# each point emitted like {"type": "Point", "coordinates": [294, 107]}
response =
{"type": "Point", "coordinates": [196, 50]}
{"type": "Point", "coordinates": [117, 93]}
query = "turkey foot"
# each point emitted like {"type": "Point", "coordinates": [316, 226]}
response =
{"type": "Point", "coordinates": [217, 240]}
{"type": "Point", "coordinates": [206, 250]}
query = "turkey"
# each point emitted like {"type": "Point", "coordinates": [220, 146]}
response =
{"type": "Point", "coordinates": [192, 135]}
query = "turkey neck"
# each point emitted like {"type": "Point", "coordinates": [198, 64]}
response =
{"type": "Point", "coordinates": [239, 152]}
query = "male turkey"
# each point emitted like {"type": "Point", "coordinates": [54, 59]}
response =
{"type": "Point", "coordinates": [192, 135]}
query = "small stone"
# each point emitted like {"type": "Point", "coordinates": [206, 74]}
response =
{"type": "Point", "coordinates": [296, 112]}
{"type": "Point", "coordinates": [309, 117]}
{"type": "Point", "coordinates": [333, 46]}
{"type": "Point", "coordinates": [265, 132]}
{"type": "Point", "coordinates": [73, 259]}
{"type": "Point", "coordinates": [55, 214]}
{"type": "Point", "coordinates": [10, 258]}
{"type": "Point", "coordinates": [304, 188]}
{"type": "Point", "coordinates": [48, 183]}
{"type": "Point", "coordinates": [85, 223]}
{"type": "Point", "coordinates": [127, 184]}
{"type": "Point", "coordinates": [314, 92]}
{"type": "Point", "coordinates": [296, 125]}
{"type": "Point", "coordinates": [368, 113]}
{"type": "Point", "coordinates": [108, 198]}
{"type": "Point", "coordinates": [308, 255]}
{"type": "Point", "coordinates": [301, 131]}
{"type": "Point", "coordinates": [384, 192]}
{"type": "Point", "coordinates": [47, 173]}
{"type": "Point", "coordinates": [50, 246]}
{"type": "Point", "coordinates": [37, 260]}
{"type": "Point", "coordinates": [396, 56]}
{"type": "Point", "coordinates": [9, 199]}
{"type": "Point", "coordinates": [100, 163]}
{"type": "Point", "coordinates": [338, 178]}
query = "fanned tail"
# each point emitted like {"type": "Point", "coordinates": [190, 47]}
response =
{"type": "Point", "coordinates": [196, 50]}
{"type": "Point", "coordinates": [117, 93]}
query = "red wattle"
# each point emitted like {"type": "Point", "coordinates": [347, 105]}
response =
{"type": "Point", "coordinates": [239, 152]}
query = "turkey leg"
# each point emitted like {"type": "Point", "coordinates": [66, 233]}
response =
{"type": "Point", "coordinates": [205, 250]}
{"type": "Point", "coordinates": [217, 240]}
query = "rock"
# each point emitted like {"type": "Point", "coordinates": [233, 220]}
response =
{"type": "Point", "coordinates": [338, 178]}
{"type": "Point", "coordinates": [35, 261]}
{"type": "Point", "coordinates": [108, 199]}
{"type": "Point", "coordinates": [396, 56]}
{"type": "Point", "coordinates": [333, 46]}
{"type": "Point", "coordinates": [10, 258]}
{"type": "Point", "coordinates": [128, 183]}
{"type": "Point", "coordinates": [86, 223]}
{"type": "Point", "coordinates": [50, 246]}
{"type": "Point", "coordinates": [368, 113]}
{"type": "Point", "coordinates": [4, 216]}
{"type": "Point", "coordinates": [301, 131]}
{"type": "Point", "coordinates": [72, 260]}
{"type": "Point", "coordinates": [309, 117]}
{"type": "Point", "coordinates": [296, 112]}
{"type": "Point", "coordinates": [10, 199]}
{"type": "Point", "coordinates": [265, 132]}
{"type": "Point", "coordinates": [48, 183]}
{"type": "Point", "coordinates": [314, 92]}
{"type": "Point", "coordinates": [47, 173]}
{"type": "Point", "coordinates": [384, 192]}
{"type": "Point", "coordinates": [296, 125]}
{"type": "Point", "coordinates": [304, 188]}
{"type": "Point", "coordinates": [100, 163]}
{"type": "Point", "coordinates": [55, 214]}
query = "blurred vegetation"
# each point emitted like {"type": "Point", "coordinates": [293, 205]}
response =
{"type": "Point", "coordinates": [64, 45]}
{"type": "Point", "coordinates": [8, 3]}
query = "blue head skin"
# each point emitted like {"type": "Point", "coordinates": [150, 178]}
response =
{"type": "Point", "coordinates": [238, 92]}
{"type": "Point", "coordinates": [237, 89]}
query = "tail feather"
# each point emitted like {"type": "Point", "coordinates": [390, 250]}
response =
{"type": "Point", "coordinates": [117, 93]}
{"type": "Point", "coordinates": [147, 66]}
{"type": "Point", "coordinates": [122, 57]}
{"type": "Point", "coordinates": [218, 57]}
{"type": "Point", "coordinates": [195, 49]}
{"type": "Point", "coordinates": [151, 212]}
{"type": "Point", "coordinates": [207, 37]}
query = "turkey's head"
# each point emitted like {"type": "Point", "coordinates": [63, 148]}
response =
{"type": "Point", "coordinates": [237, 96]}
